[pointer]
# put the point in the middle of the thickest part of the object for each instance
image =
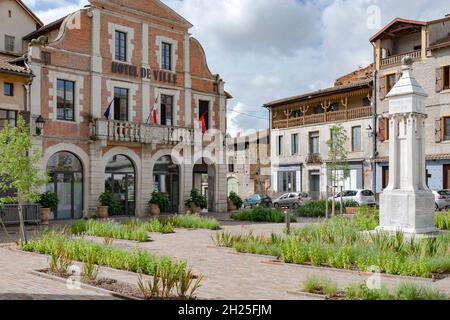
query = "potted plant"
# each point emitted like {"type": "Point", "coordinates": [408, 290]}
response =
{"type": "Point", "coordinates": [351, 207]}
{"type": "Point", "coordinates": [157, 203]}
{"type": "Point", "coordinates": [234, 202]}
{"type": "Point", "coordinates": [49, 202]}
{"type": "Point", "coordinates": [196, 202]}
{"type": "Point", "coordinates": [107, 205]}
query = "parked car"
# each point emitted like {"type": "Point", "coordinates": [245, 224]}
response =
{"type": "Point", "coordinates": [291, 200]}
{"type": "Point", "coordinates": [441, 199]}
{"type": "Point", "coordinates": [257, 200]}
{"type": "Point", "coordinates": [361, 197]}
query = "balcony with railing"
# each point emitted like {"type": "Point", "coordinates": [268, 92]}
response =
{"type": "Point", "coordinates": [313, 158]}
{"type": "Point", "coordinates": [323, 118]}
{"type": "Point", "coordinates": [125, 131]}
{"type": "Point", "coordinates": [397, 59]}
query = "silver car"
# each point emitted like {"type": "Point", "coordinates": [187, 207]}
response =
{"type": "Point", "coordinates": [441, 199]}
{"type": "Point", "coordinates": [361, 197]}
{"type": "Point", "coordinates": [291, 200]}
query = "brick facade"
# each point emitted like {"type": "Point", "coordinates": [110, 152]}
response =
{"type": "Point", "coordinates": [82, 49]}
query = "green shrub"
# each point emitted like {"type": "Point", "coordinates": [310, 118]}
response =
{"type": "Point", "coordinates": [110, 229]}
{"type": "Point", "coordinates": [197, 199]}
{"type": "Point", "coordinates": [259, 214]}
{"type": "Point", "coordinates": [194, 222]}
{"type": "Point", "coordinates": [49, 200]}
{"type": "Point", "coordinates": [317, 209]}
{"type": "Point", "coordinates": [321, 286]}
{"type": "Point", "coordinates": [235, 199]}
{"type": "Point", "coordinates": [156, 225]}
{"type": "Point", "coordinates": [443, 220]}
{"type": "Point", "coordinates": [406, 291]}
{"type": "Point", "coordinates": [160, 200]}
{"type": "Point", "coordinates": [78, 250]}
{"type": "Point", "coordinates": [339, 243]}
{"type": "Point", "coordinates": [413, 292]}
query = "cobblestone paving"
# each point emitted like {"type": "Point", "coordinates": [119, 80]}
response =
{"type": "Point", "coordinates": [228, 275]}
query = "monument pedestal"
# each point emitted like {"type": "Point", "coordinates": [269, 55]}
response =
{"type": "Point", "coordinates": [411, 212]}
{"type": "Point", "coordinates": [407, 204]}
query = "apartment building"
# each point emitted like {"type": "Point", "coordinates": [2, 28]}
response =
{"type": "Point", "coordinates": [249, 164]}
{"type": "Point", "coordinates": [428, 43]}
{"type": "Point", "coordinates": [300, 129]}
{"type": "Point", "coordinates": [16, 20]}
{"type": "Point", "coordinates": [122, 87]}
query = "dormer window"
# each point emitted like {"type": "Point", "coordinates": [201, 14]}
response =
{"type": "Point", "coordinates": [121, 46]}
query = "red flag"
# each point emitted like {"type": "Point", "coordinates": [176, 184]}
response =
{"type": "Point", "coordinates": [203, 123]}
{"type": "Point", "coordinates": [155, 116]}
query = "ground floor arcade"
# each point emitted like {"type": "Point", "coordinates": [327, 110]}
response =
{"type": "Point", "coordinates": [80, 174]}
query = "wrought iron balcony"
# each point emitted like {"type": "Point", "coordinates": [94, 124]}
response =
{"type": "Point", "coordinates": [125, 131]}
{"type": "Point", "coordinates": [313, 158]}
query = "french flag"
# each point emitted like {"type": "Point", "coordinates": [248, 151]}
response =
{"type": "Point", "coordinates": [154, 113]}
{"type": "Point", "coordinates": [107, 113]}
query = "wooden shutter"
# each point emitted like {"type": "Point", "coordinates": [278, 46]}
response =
{"type": "Point", "coordinates": [439, 131]}
{"type": "Point", "coordinates": [382, 129]}
{"type": "Point", "coordinates": [439, 79]}
{"type": "Point", "coordinates": [382, 86]}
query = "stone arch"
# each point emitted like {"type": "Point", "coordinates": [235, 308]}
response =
{"type": "Point", "coordinates": [181, 170]}
{"type": "Point", "coordinates": [82, 156]}
{"type": "Point", "coordinates": [136, 160]}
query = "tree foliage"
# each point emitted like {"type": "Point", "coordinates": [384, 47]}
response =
{"type": "Point", "coordinates": [337, 154]}
{"type": "Point", "coordinates": [19, 170]}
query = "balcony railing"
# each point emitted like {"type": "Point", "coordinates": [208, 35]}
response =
{"type": "Point", "coordinates": [313, 158]}
{"type": "Point", "coordinates": [125, 131]}
{"type": "Point", "coordinates": [397, 59]}
{"type": "Point", "coordinates": [334, 116]}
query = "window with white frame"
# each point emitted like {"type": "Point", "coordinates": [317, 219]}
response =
{"type": "Point", "coordinates": [166, 56]}
{"type": "Point", "coordinates": [121, 46]}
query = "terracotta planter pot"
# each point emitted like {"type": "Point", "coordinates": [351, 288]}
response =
{"type": "Point", "coordinates": [154, 210]}
{"type": "Point", "coordinates": [45, 216]}
{"type": "Point", "coordinates": [351, 210]}
{"type": "Point", "coordinates": [103, 212]}
{"type": "Point", "coordinates": [195, 209]}
{"type": "Point", "coordinates": [231, 207]}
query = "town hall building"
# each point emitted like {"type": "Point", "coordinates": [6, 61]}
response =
{"type": "Point", "coordinates": [120, 85]}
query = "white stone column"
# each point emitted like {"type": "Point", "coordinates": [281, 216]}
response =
{"type": "Point", "coordinates": [407, 205]}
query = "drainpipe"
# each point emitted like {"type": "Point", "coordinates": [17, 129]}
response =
{"type": "Point", "coordinates": [375, 134]}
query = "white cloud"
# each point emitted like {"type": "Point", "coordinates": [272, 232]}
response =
{"type": "Point", "coordinates": [271, 49]}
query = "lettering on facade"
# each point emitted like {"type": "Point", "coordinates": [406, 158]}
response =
{"type": "Point", "coordinates": [143, 73]}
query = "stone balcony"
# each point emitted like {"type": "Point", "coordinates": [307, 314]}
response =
{"type": "Point", "coordinates": [130, 132]}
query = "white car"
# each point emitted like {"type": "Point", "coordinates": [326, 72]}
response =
{"type": "Point", "coordinates": [441, 199]}
{"type": "Point", "coordinates": [361, 197]}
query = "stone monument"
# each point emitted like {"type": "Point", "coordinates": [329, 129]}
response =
{"type": "Point", "coordinates": [407, 204]}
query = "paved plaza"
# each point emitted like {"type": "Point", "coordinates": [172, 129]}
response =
{"type": "Point", "coordinates": [228, 275]}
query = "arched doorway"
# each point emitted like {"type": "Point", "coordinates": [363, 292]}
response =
{"type": "Point", "coordinates": [233, 185]}
{"type": "Point", "coordinates": [204, 180]}
{"type": "Point", "coordinates": [66, 180]}
{"type": "Point", "coordinates": [166, 180]}
{"type": "Point", "coordinates": [121, 182]}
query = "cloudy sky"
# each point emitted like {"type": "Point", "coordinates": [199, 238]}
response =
{"type": "Point", "coordinates": [271, 49]}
